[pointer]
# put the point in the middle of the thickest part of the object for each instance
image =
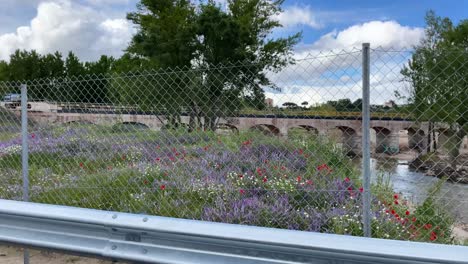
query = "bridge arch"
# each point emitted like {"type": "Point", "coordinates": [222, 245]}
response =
{"type": "Point", "coordinates": [416, 138]}
{"type": "Point", "coordinates": [266, 129]}
{"type": "Point", "coordinates": [78, 122]}
{"type": "Point", "coordinates": [225, 128]}
{"type": "Point", "coordinates": [130, 125]}
{"type": "Point", "coordinates": [175, 126]}
{"type": "Point", "coordinates": [386, 141]}
{"type": "Point", "coordinates": [302, 130]}
{"type": "Point", "coordinates": [347, 137]}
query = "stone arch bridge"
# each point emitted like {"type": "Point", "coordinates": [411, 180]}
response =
{"type": "Point", "coordinates": [387, 132]}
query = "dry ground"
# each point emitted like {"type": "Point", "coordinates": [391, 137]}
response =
{"type": "Point", "coordinates": [13, 255]}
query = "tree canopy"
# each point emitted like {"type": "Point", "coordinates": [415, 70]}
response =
{"type": "Point", "coordinates": [438, 74]}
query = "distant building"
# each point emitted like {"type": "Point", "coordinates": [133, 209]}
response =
{"type": "Point", "coordinates": [269, 102]}
{"type": "Point", "coordinates": [390, 104]}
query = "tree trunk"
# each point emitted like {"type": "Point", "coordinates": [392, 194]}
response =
{"type": "Point", "coordinates": [194, 114]}
{"type": "Point", "coordinates": [429, 138]}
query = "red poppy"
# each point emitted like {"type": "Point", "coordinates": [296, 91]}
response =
{"type": "Point", "coordinates": [162, 187]}
{"type": "Point", "coordinates": [397, 216]}
{"type": "Point", "coordinates": [393, 212]}
{"type": "Point", "coordinates": [361, 190]}
{"type": "Point", "coordinates": [299, 178]}
{"type": "Point", "coordinates": [309, 182]}
{"type": "Point", "coordinates": [413, 219]}
{"type": "Point", "coordinates": [323, 167]}
{"type": "Point", "coordinates": [433, 236]}
{"type": "Point", "coordinates": [407, 212]}
{"type": "Point", "coordinates": [396, 201]}
{"type": "Point", "coordinates": [241, 176]}
{"type": "Point", "coordinates": [242, 191]}
{"type": "Point", "coordinates": [428, 226]}
{"type": "Point", "coordinates": [81, 164]}
{"type": "Point", "coordinates": [246, 143]}
{"type": "Point", "coordinates": [301, 151]}
{"type": "Point", "coordinates": [283, 168]}
{"type": "Point", "coordinates": [265, 180]}
{"type": "Point", "coordinates": [346, 179]}
{"type": "Point", "coordinates": [395, 196]}
{"type": "Point", "coordinates": [387, 211]}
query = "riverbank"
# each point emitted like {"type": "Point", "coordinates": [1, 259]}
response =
{"type": "Point", "coordinates": [437, 165]}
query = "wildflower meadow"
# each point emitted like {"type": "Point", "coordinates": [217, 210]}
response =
{"type": "Point", "coordinates": [304, 182]}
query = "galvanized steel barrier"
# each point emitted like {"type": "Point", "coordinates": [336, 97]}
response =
{"type": "Point", "coordinates": [153, 239]}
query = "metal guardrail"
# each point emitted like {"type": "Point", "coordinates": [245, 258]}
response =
{"type": "Point", "coordinates": [156, 239]}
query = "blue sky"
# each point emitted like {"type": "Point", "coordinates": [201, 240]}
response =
{"type": "Point", "coordinates": [91, 28]}
{"type": "Point", "coordinates": [342, 14]}
{"type": "Point", "coordinates": [313, 17]}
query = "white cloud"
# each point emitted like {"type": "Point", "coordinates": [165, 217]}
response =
{"type": "Point", "coordinates": [294, 16]}
{"type": "Point", "coordinates": [63, 25]}
{"type": "Point", "coordinates": [108, 2]}
{"type": "Point", "coordinates": [379, 33]}
{"type": "Point", "coordinates": [330, 68]}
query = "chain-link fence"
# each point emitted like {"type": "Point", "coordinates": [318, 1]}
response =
{"type": "Point", "coordinates": [235, 144]}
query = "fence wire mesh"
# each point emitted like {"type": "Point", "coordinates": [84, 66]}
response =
{"type": "Point", "coordinates": [234, 144]}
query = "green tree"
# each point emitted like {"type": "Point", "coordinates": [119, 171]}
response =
{"type": "Point", "coordinates": [357, 105]}
{"type": "Point", "coordinates": [209, 40]}
{"type": "Point", "coordinates": [25, 65]}
{"type": "Point", "coordinates": [3, 71]}
{"type": "Point", "coordinates": [52, 65]}
{"type": "Point", "coordinates": [242, 37]}
{"type": "Point", "coordinates": [290, 105]}
{"type": "Point", "coordinates": [73, 66]}
{"type": "Point", "coordinates": [96, 91]}
{"type": "Point", "coordinates": [438, 73]}
{"type": "Point", "coordinates": [166, 38]}
{"type": "Point", "coordinates": [166, 32]}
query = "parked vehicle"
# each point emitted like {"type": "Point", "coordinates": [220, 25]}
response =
{"type": "Point", "coordinates": [12, 98]}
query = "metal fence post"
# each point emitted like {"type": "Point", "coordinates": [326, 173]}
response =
{"type": "Point", "coordinates": [366, 138]}
{"type": "Point", "coordinates": [25, 152]}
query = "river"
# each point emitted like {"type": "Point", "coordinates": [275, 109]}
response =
{"type": "Point", "coordinates": [414, 186]}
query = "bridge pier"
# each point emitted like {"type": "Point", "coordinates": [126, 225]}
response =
{"type": "Point", "coordinates": [449, 141]}
{"type": "Point", "coordinates": [387, 142]}
{"type": "Point", "coordinates": [352, 142]}
{"type": "Point", "coordinates": [283, 131]}
{"type": "Point", "coordinates": [417, 139]}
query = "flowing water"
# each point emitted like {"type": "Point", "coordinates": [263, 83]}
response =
{"type": "Point", "coordinates": [415, 185]}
